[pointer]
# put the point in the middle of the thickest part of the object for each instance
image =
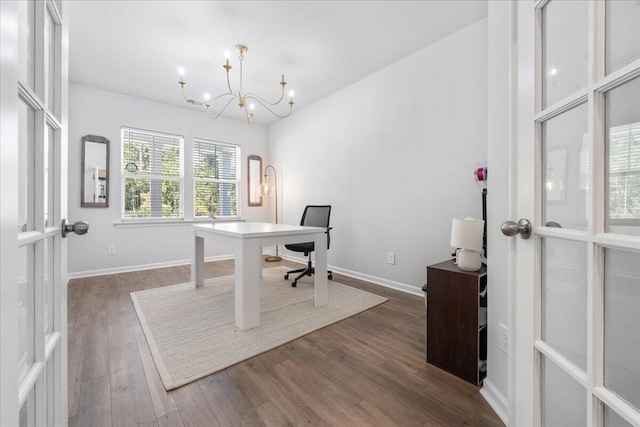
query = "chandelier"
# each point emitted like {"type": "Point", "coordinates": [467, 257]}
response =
{"type": "Point", "coordinates": [240, 98]}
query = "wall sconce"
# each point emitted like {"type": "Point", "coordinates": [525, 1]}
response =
{"type": "Point", "coordinates": [267, 190]}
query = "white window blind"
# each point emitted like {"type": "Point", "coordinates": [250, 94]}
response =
{"type": "Point", "coordinates": [152, 175]}
{"type": "Point", "coordinates": [624, 171]}
{"type": "Point", "coordinates": [216, 177]}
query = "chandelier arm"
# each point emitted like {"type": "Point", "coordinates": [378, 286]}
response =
{"type": "Point", "coordinates": [229, 82]}
{"type": "Point", "coordinates": [221, 111]}
{"type": "Point", "coordinates": [264, 101]}
{"type": "Point", "coordinates": [182, 91]}
{"type": "Point", "coordinates": [270, 110]}
{"type": "Point", "coordinates": [189, 100]}
{"type": "Point", "coordinates": [220, 96]}
{"type": "Point", "coordinates": [194, 102]}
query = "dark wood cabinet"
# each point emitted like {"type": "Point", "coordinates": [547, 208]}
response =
{"type": "Point", "coordinates": [456, 320]}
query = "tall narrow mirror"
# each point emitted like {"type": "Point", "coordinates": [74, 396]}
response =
{"type": "Point", "coordinates": [95, 172]}
{"type": "Point", "coordinates": [254, 171]}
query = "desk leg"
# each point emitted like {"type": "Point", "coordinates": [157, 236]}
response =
{"type": "Point", "coordinates": [197, 262]}
{"type": "Point", "coordinates": [320, 244]}
{"type": "Point", "coordinates": [247, 297]}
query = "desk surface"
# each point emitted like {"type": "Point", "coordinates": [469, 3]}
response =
{"type": "Point", "coordinates": [248, 230]}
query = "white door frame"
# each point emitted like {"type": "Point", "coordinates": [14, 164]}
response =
{"type": "Point", "coordinates": [521, 373]}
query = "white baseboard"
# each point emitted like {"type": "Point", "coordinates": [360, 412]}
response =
{"type": "Point", "coordinates": [129, 268]}
{"type": "Point", "coordinates": [495, 399]}
{"type": "Point", "coordinates": [141, 267]}
{"type": "Point", "coordinates": [367, 278]}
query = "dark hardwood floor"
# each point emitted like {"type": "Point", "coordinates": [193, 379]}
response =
{"type": "Point", "coordinates": [369, 369]}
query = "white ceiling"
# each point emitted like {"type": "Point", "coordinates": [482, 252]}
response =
{"type": "Point", "coordinates": [136, 47]}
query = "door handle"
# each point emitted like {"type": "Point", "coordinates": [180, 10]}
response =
{"type": "Point", "coordinates": [79, 227]}
{"type": "Point", "coordinates": [522, 227]}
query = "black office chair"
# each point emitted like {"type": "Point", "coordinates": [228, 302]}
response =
{"type": "Point", "coordinates": [315, 216]}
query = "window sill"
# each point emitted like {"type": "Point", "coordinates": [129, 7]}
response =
{"type": "Point", "coordinates": [170, 222]}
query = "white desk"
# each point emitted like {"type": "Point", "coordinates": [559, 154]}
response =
{"type": "Point", "coordinates": [248, 239]}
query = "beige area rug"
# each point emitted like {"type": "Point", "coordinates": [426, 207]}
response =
{"type": "Point", "coordinates": [192, 333]}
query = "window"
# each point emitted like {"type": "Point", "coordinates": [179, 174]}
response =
{"type": "Point", "coordinates": [624, 172]}
{"type": "Point", "coordinates": [216, 177]}
{"type": "Point", "coordinates": [152, 175]}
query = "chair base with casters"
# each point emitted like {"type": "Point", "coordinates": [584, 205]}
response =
{"type": "Point", "coordinates": [307, 271]}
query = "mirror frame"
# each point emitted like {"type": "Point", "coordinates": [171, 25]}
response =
{"type": "Point", "coordinates": [255, 180]}
{"type": "Point", "coordinates": [100, 140]}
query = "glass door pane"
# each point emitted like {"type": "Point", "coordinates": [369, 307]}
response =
{"type": "Point", "coordinates": [612, 419]}
{"type": "Point", "coordinates": [622, 176]}
{"type": "Point", "coordinates": [564, 401]}
{"type": "Point", "coordinates": [26, 295]}
{"type": "Point", "coordinates": [622, 324]}
{"type": "Point", "coordinates": [49, 378]}
{"type": "Point", "coordinates": [28, 411]}
{"type": "Point", "coordinates": [49, 259]}
{"type": "Point", "coordinates": [565, 176]}
{"type": "Point", "coordinates": [26, 166]}
{"type": "Point", "coordinates": [49, 159]}
{"type": "Point", "coordinates": [564, 298]}
{"type": "Point", "coordinates": [622, 33]}
{"type": "Point", "coordinates": [565, 49]}
{"type": "Point", "coordinates": [51, 61]}
{"type": "Point", "coordinates": [27, 42]}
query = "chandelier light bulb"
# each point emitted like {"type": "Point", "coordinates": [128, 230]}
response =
{"type": "Point", "coordinates": [181, 72]}
{"type": "Point", "coordinates": [252, 106]}
{"type": "Point", "coordinates": [553, 72]}
{"type": "Point", "coordinates": [227, 54]}
{"type": "Point", "coordinates": [207, 96]}
{"type": "Point", "coordinates": [291, 94]}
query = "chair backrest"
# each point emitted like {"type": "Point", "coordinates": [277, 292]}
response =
{"type": "Point", "coordinates": [316, 215]}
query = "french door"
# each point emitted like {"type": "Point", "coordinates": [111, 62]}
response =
{"type": "Point", "coordinates": [33, 159]}
{"type": "Point", "coordinates": [577, 311]}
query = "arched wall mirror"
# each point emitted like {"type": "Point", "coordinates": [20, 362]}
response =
{"type": "Point", "coordinates": [95, 172]}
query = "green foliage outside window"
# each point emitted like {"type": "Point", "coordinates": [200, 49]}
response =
{"type": "Point", "coordinates": [157, 197]}
{"type": "Point", "coordinates": [215, 186]}
{"type": "Point", "coordinates": [152, 173]}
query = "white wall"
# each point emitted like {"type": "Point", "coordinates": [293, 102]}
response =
{"type": "Point", "coordinates": [394, 155]}
{"type": "Point", "coordinates": [98, 112]}
{"type": "Point", "coordinates": [496, 387]}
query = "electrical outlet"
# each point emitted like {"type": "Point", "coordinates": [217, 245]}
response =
{"type": "Point", "coordinates": [111, 250]}
{"type": "Point", "coordinates": [504, 339]}
{"type": "Point", "coordinates": [391, 258]}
